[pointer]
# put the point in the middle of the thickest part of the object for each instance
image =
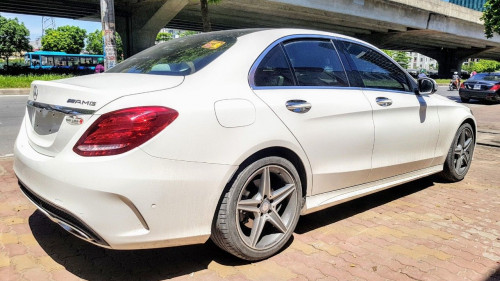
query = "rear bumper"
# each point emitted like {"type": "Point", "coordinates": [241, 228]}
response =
{"type": "Point", "coordinates": [130, 201]}
{"type": "Point", "coordinates": [481, 95]}
{"type": "Point", "coordinates": [64, 218]}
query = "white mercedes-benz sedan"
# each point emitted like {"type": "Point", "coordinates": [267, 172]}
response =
{"type": "Point", "coordinates": [232, 135]}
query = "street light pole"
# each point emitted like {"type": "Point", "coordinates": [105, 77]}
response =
{"type": "Point", "coordinates": [108, 30]}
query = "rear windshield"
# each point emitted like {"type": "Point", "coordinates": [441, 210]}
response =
{"type": "Point", "coordinates": [486, 77]}
{"type": "Point", "coordinates": [181, 56]}
{"type": "Point", "coordinates": [492, 77]}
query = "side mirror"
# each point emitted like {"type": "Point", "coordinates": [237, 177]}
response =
{"type": "Point", "coordinates": [427, 86]}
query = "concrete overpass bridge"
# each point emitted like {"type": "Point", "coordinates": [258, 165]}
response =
{"type": "Point", "coordinates": [443, 31]}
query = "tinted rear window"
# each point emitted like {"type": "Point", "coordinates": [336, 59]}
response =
{"type": "Point", "coordinates": [478, 76]}
{"type": "Point", "coordinates": [492, 77]}
{"type": "Point", "coordinates": [182, 56]}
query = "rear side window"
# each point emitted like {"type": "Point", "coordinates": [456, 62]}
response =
{"type": "Point", "coordinates": [316, 63]}
{"type": "Point", "coordinates": [495, 78]}
{"type": "Point", "coordinates": [273, 70]}
{"type": "Point", "coordinates": [375, 69]}
{"type": "Point", "coordinates": [182, 56]}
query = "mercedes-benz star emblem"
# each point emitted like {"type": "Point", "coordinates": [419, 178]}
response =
{"type": "Point", "coordinates": [35, 93]}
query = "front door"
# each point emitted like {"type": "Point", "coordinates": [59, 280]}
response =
{"type": "Point", "coordinates": [406, 124]}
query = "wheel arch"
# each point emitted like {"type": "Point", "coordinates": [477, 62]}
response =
{"type": "Point", "coordinates": [282, 152]}
{"type": "Point", "coordinates": [471, 122]}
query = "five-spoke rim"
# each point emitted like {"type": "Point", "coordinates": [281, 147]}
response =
{"type": "Point", "coordinates": [463, 151]}
{"type": "Point", "coordinates": [266, 207]}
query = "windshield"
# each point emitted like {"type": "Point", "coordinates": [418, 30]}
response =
{"type": "Point", "coordinates": [181, 56]}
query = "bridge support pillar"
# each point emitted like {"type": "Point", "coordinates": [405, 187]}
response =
{"type": "Point", "coordinates": [138, 30]}
{"type": "Point", "coordinates": [449, 61]}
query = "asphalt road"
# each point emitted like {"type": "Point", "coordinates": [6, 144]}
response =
{"type": "Point", "coordinates": [11, 116]}
{"type": "Point", "coordinates": [12, 112]}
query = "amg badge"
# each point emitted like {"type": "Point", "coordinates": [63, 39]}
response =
{"type": "Point", "coordinates": [90, 103]}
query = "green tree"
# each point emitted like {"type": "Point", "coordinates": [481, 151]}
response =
{"type": "Point", "coordinates": [69, 39]}
{"type": "Point", "coordinates": [95, 44]}
{"type": "Point", "coordinates": [390, 53]}
{"type": "Point", "coordinates": [491, 17]}
{"type": "Point", "coordinates": [469, 67]}
{"type": "Point", "coordinates": [486, 66]}
{"type": "Point", "coordinates": [400, 57]}
{"type": "Point", "coordinates": [188, 33]}
{"type": "Point", "coordinates": [14, 37]}
{"type": "Point", "coordinates": [163, 36]}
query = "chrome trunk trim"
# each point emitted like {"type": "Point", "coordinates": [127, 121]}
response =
{"type": "Point", "coordinates": [62, 109]}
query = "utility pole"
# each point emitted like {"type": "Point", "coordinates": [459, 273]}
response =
{"type": "Point", "coordinates": [108, 30]}
{"type": "Point", "coordinates": [47, 23]}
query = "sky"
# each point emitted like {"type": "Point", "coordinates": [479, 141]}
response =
{"type": "Point", "coordinates": [34, 23]}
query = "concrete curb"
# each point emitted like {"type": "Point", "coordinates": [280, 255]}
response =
{"type": "Point", "coordinates": [488, 138]}
{"type": "Point", "coordinates": [15, 91]}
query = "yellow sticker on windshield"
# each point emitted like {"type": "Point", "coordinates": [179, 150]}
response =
{"type": "Point", "coordinates": [214, 44]}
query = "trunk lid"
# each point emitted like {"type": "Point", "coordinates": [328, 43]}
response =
{"type": "Point", "coordinates": [56, 108]}
{"type": "Point", "coordinates": [480, 85]}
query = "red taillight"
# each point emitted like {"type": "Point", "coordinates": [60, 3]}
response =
{"type": "Point", "coordinates": [122, 130]}
{"type": "Point", "coordinates": [462, 86]}
{"type": "Point", "coordinates": [495, 87]}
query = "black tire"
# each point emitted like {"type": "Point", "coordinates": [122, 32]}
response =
{"type": "Point", "coordinates": [239, 210]}
{"type": "Point", "coordinates": [459, 156]}
{"type": "Point", "coordinates": [466, 100]}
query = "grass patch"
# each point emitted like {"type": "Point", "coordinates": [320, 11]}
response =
{"type": "Point", "coordinates": [24, 81]}
{"type": "Point", "coordinates": [442, 81]}
{"type": "Point", "coordinates": [447, 81]}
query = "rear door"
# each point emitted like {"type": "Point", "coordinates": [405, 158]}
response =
{"type": "Point", "coordinates": [303, 81]}
{"type": "Point", "coordinates": [406, 124]}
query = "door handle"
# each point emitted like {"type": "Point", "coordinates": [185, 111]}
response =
{"type": "Point", "coordinates": [298, 106]}
{"type": "Point", "coordinates": [383, 101]}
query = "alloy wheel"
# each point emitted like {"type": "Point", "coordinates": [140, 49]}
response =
{"type": "Point", "coordinates": [463, 151]}
{"type": "Point", "coordinates": [266, 207]}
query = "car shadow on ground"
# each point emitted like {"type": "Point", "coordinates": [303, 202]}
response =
{"type": "Point", "coordinates": [473, 101]}
{"type": "Point", "coordinates": [495, 276]}
{"type": "Point", "coordinates": [91, 262]}
{"type": "Point", "coordinates": [454, 98]}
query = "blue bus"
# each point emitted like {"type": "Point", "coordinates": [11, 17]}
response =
{"type": "Point", "coordinates": [49, 60]}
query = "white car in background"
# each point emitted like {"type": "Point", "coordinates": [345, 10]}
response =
{"type": "Point", "coordinates": [232, 135]}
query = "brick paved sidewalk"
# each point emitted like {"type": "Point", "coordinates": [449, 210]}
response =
{"type": "Point", "coordinates": [424, 230]}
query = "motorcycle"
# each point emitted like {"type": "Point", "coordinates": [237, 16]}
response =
{"type": "Point", "coordinates": [454, 84]}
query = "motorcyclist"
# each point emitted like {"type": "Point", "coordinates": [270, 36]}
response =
{"type": "Point", "coordinates": [455, 80]}
{"type": "Point", "coordinates": [422, 74]}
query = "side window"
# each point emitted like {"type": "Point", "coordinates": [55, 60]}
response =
{"type": "Point", "coordinates": [376, 70]}
{"type": "Point", "coordinates": [316, 63]}
{"type": "Point", "coordinates": [273, 70]}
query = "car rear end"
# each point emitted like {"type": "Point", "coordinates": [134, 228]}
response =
{"type": "Point", "coordinates": [84, 157]}
{"type": "Point", "coordinates": [77, 161]}
{"type": "Point", "coordinates": [483, 86]}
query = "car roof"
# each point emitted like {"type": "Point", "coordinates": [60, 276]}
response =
{"type": "Point", "coordinates": [283, 32]}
